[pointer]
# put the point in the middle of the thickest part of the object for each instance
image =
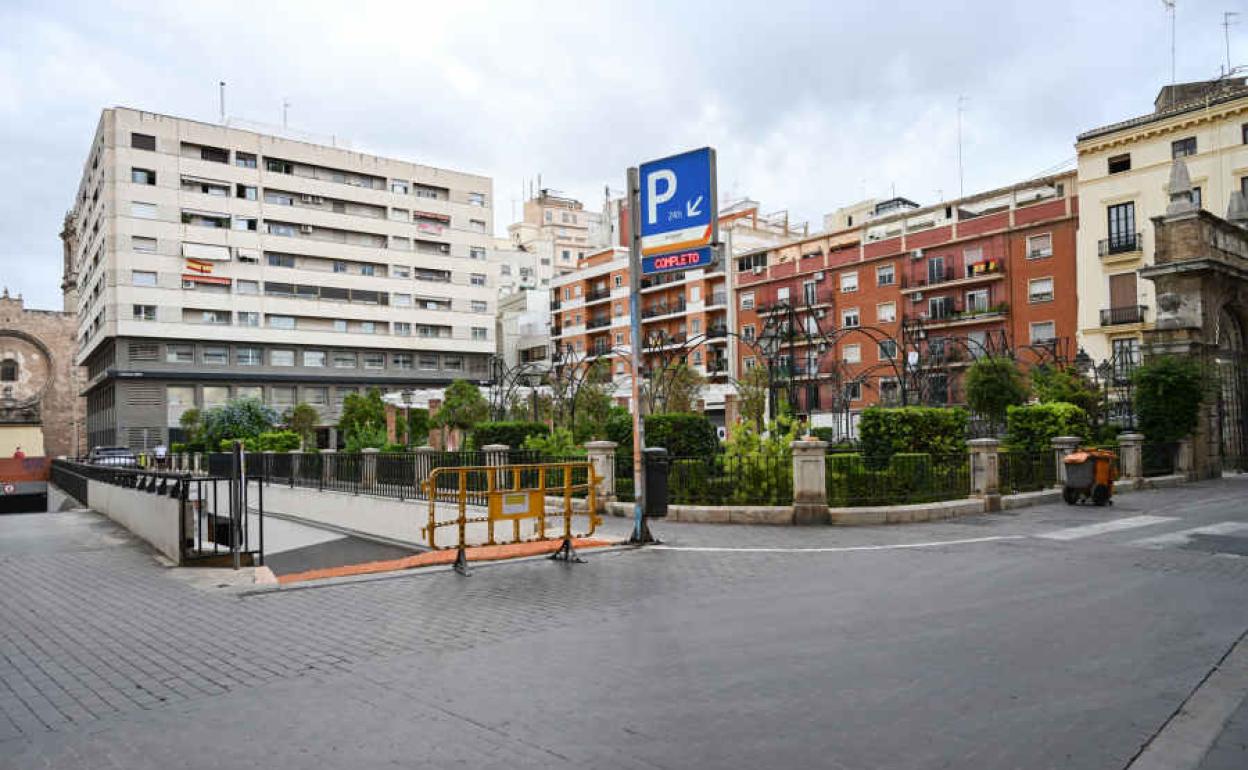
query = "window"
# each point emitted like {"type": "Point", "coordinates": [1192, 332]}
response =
{"type": "Point", "coordinates": [244, 160]}
{"type": "Point", "coordinates": [1181, 148]}
{"type": "Point", "coordinates": [747, 300]}
{"type": "Point", "coordinates": [142, 141]}
{"type": "Point", "coordinates": [849, 281]}
{"type": "Point", "coordinates": [1122, 227]}
{"type": "Point", "coordinates": [215, 354]}
{"type": "Point", "coordinates": [278, 198]}
{"type": "Point", "coordinates": [145, 312]}
{"type": "Point", "coordinates": [316, 396]}
{"type": "Point", "coordinates": [782, 294]}
{"type": "Point", "coordinates": [215, 395]}
{"type": "Point", "coordinates": [247, 287]}
{"type": "Point", "coordinates": [179, 354]}
{"type": "Point", "coordinates": [402, 329]}
{"type": "Point", "coordinates": [476, 199]}
{"type": "Point", "coordinates": [852, 354]}
{"type": "Point", "coordinates": [374, 360]}
{"type": "Point", "coordinates": [1126, 356]}
{"type": "Point", "coordinates": [453, 363]}
{"type": "Point", "coordinates": [282, 229]}
{"type": "Point", "coordinates": [398, 186]}
{"type": "Point", "coordinates": [748, 362]}
{"type": "Point", "coordinates": [286, 322]}
{"type": "Point", "coordinates": [885, 275]}
{"type": "Point", "coordinates": [343, 360]}
{"type": "Point", "coordinates": [809, 294]}
{"type": "Point", "coordinates": [566, 255]}
{"type": "Point", "coordinates": [1120, 163]}
{"type": "Point", "coordinates": [886, 312]}
{"type": "Point", "coordinates": [619, 338]}
{"type": "Point", "coordinates": [939, 307]}
{"type": "Point", "coordinates": [340, 325]}
{"type": "Point", "coordinates": [140, 210]}
{"type": "Point", "coordinates": [401, 300]}
{"type": "Point", "coordinates": [849, 318]}
{"type": "Point", "coordinates": [142, 176]}
{"type": "Point", "coordinates": [244, 191]}
{"type": "Point", "coordinates": [618, 281]}
{"type": "Point", "coordinates": [477, 226]}
{"type": "Point", "coordinates": [479, 333]}
{"type": "Point", "coordinates": [248, 356]}
{"type": "Point", "coordinates": [314, 358]}
{"type": "Point", "coordinates": [281, 358]}
{"type": "Point", "coordinates": [480, 306]}
{"type": "Point", "coordinates": [1043, 331]}
{"type": "Point", "coordinates": [368, 327]}
{"type": "Point", "coordinates": [977, 301]}
{"type": "Point", "coordinates": [619, 310]}
{"type": "Point", "coordinates": [747, 332]}
{"type": "Point", "coordinates": [549, 216]}
{"type": "Point", "coordinates": [248, 318]}
{"type": "Point", "coordinates": [888, 350]}
{"type": "Point", "coordinates": [401, 361]}
{"type": "Point", "coordinates": [1040, 290]}
{"type": "Point", "coordinates": [1196, 197]}
{"type": "Point", "coordinates": [1039, 246]}
{"type": "Point", "coordinates": [428, 361]}
{"type": "Point", "coordinates": [282, 395]}
{"type": "Point", "coordinates": [476, 252]}
{"type": "Point", "coordinates": [477, 279]}
{"type": "Point", "coordinates": [143, 244]}
{"type": "Point", "coordinates": [143, 278]}
{"type": "Point", "coordinates": [280, 260]}
{"type": "Point", "coordinates": [1244, 131]}
{"type": "Point", "coordinates": [215, 317]}
{"type": "Point", "coordinates": [246, 223]}
{"type": "Point", "coordinates": [853, 391]}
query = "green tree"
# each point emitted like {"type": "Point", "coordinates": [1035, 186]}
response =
{"type": "Point", "coordinates": [463, 406]}
{"type": "Point", "coordinates": [593, 407]}
{"type": "Point", "coordinates": [417, 428]}
{"type": "Point", "coordinates": [360, 409]}
{"type": "Point", "coordinates": [558, 443]}
{"type": "Point", "coordinates": [192, 422]}
{"type": "Point", "coordinates": [302, 419]}
{"type": "Point", "coordinates": [367, 435]}
{"type": "Point", "coordinates": [1168, 394]}
{"type": "Point", "coordinates": [752, 395]}
{"type": "Point", "coordinates": [239, 418]}
{"type": "Point", "coordinates": [993, 385]}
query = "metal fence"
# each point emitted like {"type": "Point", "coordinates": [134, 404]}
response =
{"type": "Point", "coordinates": [727, 480]}
{"type": "Point", "coordinates": [1159, 459]}
{"type": "Point", "coordinates": [858, 480]}
{"type": "Point", "coordinates": [1022, 471]}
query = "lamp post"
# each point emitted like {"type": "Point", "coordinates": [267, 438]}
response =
{"type": "Point", "coordinates": [408, 398]}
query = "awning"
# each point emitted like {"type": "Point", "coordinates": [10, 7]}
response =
{"type": "Point", "coordinates": [430, 215]}
{"type": "Point", "coordinates": [206, 279]}
{"type": "Point", "coordinates": [205, 180]}
{"type": "Point", "coordinates": [206, 251]}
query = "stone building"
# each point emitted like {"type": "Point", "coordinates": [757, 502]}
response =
{"type": "Point", "coordinates": [40, 407]}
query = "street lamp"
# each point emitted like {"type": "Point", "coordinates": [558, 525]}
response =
{"type": "Point", "coordinates": [408, 399]}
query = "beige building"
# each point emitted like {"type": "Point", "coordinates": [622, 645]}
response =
{"type": "Point", "coordinates": [212, 263]}
{"type": "Point", "coordinates": [41, 412]}
{"type": "Point", "coordinates": [558, 230]}
{"type": "Point", "coordinates": [1124, 172]}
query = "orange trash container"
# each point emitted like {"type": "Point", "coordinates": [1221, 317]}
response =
{"type": "Point", "coordinates": [1090, 475]}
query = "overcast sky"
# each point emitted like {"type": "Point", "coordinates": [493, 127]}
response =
{"type": "Point", "coordinates": [810, 105]}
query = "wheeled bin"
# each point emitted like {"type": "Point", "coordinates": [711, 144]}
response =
{"type": "Point", "coordinates": [1090, 475]}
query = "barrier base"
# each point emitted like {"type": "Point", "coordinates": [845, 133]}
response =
{"type": "Point", "coordinates": [566, 553]}
{"type": "Point", "coordinates": [461, 562]}
{"type": "Point", "coordinates": [642, 536]}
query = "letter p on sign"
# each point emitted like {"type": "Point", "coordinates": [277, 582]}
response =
{"type": "Point", "coordinates": [653, 196]}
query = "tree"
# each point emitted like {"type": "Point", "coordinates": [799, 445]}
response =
{"type": "Point", "coordinates": [1052, 384]}
{"type": "Point", "coordinates": [359, 410]}
{"type": "Point", "coordinates": [593, 407]}
{"type": "Point", "coordinates": [240, 418]}
{"type": "Point", "coordinates": [752, 394]}
{"type": "Point", "coordinates": [463, 406]}
{"type": "Point", "coordinates": [302, 420]}
{"type": "Point", "coordinates": [1168, 394]}
{"type": "Point", "coordinates": [993, 385]}
{"type": "Point", "coordinates": [192, 422]}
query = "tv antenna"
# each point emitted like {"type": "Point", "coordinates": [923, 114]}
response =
{"type": "Point", "coordinates": [1226, 35]}
{"type": "Point", "coordinates": [961, 106]}
{"type": "Point", "coordinates": [1170, 10]}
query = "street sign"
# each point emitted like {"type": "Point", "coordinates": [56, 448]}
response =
{"type": "Point", "coordinates": [677, 260]}
{"type": "Point", "coordinates": [678, 207]}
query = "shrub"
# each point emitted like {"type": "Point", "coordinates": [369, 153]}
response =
{"type": "Point", "coordinates": [1168, 394]}
{"type": "Point", "coordinates": [682, 434]}
{"type": "Point", "coordinates": [1030, 428]}
{"type": "Point", "coordinates": [366, 436]}
{"type": "Point", "coordinates": [277, 441]}
{"type": "Point", "coordinates": [557, 443]}
{"type": "Point", "coordinates": [935, 430]}
{"type": "Point", "coordinates": [511, 433]}
{"type": "Point", "coordinates": [240, 418]}
{"type": "Point", "coordinates": [993, 384]}
{"type": "Point", "coordinates": [302, 419]}
{"type": "Point", "coordinates": [620, 426]}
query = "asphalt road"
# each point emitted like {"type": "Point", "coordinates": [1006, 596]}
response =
{"type": "Point", "coordinates": [1049, 637]}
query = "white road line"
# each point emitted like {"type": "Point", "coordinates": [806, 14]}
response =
{"type": "Point", "coordinates": [842, 549]}
{"type": "Point", "coordinates": [1182, 536]}
{"type": "Point", "coordinates": [1091, 530]}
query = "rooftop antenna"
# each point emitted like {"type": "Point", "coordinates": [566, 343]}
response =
{"type": "Point", "coordinates": [1226, 34]}
{"type": "Point", "coordinates": [221, 99]}
{"type": "Point", "coordinates": [1169, 4]}
{"type": "Point", "coordinates": [285, 108]}
{"type": "Point", "coordinates": [961, 105]}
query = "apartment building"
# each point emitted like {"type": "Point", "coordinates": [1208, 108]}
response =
{"type": "Point", "coordinates": [559, 230]}
{"type": "Point", "coordinates": [836, 315]}
{"type": "Point", "coordinates": [1124, 174]}
{"type": "Point", "coordinates": [212, 262]}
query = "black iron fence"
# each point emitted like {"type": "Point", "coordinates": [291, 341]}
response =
{"type": "Point", "coordinates": [1159, 459]}
{"type": "Point", "coordinates": [729, 480]}
{"type": "Point", "coordinates": [1022, 471]}
{"type": "Point", "coordinates": [856, 480]}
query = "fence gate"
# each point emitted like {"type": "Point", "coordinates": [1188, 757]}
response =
{"type": "Point", "coordinates": [1231, 372]}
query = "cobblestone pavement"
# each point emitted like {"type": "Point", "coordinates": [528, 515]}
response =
{"type": "Point", "coordinates": [1027, 651]}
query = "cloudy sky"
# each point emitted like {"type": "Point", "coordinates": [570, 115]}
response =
{"type": "Point", "coordinates": [810, 105]}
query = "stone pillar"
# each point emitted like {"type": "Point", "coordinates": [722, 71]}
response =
{"type": "Point", "coordinates": [327, 466]}
{"type": "Point", "coordinates": [368, 467]}
{"type": "Point", "coordinates": [602, 459]}
{"type": "Point", "coordinates": [1062, 446]}
{"type": "Point", "coordinates": [1131, 455]}
{"type": "Point", "coordinates": [1185, 463]}
{"type": "Point", "coordinates": [732, 413]}
{"type": "Point", "coordinates": [424, 464]}
{"type": "Point", "coordinates": [333, 439]}
{"type": "Point", "coordinates": [496, 456]}
{"type": "Point", "coordinates": [295, 457]}
{"type": "Point", "coordinates": [392, 434]}
{"type": "Point", "coordinates": [810, 491]}
{"type": "Point", "coordinates": [985, 477]}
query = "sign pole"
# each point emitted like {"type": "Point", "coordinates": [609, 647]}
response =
{"type": "Point", "coordinates": [641, 532]}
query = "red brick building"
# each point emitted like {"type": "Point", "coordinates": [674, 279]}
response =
{"type": "Point", "coordinates": [894, 308]}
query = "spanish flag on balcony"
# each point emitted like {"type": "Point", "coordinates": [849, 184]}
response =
{"type": "Point", "coordinates": [199, 266]}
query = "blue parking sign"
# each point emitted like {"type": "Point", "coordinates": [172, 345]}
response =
{"type": "Point", "coordinates": [679, 209]}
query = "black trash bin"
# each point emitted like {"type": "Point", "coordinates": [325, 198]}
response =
{"type": "Point", "coordinates": [656, 482]}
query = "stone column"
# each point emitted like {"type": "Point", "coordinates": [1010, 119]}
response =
{"type": "Point", "coordinates": [602, 459]}
{"type": "Point", "coordinates": [327, 466]}
{"type": "Point", "coordinates": [424, 464]}
{"type": "Point", "coordinates": [368, 467]}
{"type": "Point", "coordinates": [985, 478]}
{"type": "Point", "coordinates": [392, 435]}
{"type": "Point", "coordinates": [1185, 463]}
{"type": "Point", "coordinates": [810, 491]}
{"type": "Point", "coordinates": [1062, 446]}
{"type": "Point", "coordinates": [1131, 455]}
{"type": "Point", "coordinates": [496, 456]}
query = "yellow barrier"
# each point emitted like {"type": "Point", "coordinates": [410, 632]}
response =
{"type": "Point", "coordinates": [511, 493]}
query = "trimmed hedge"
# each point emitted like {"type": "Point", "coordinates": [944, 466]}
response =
{"type": "Point", "coordinates": [932, 430]}
{"type": "Point", "coordinates": [511, 433]}
{"type": "Point", "coordinates": [1030, 428]}
{"type": "Point", "coordinates": [681, 434]}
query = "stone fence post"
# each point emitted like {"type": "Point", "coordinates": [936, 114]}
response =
{"type": "Point", "coordinates": [1185, 463]}
{"type": "Point", "coordinates": [295, 457]}
{"type": "Point", "coordinates": [810, 491]}
{"type": "Point", "coordinates": [1131, 455]}
{"type": "Point", "coordinates": [327, 466]}
{"type": "Point", "coordinates": [985, 468]}
{"type": "Point", "coordinates": [602, 459]}
{"type": "Point", "coordinates": [424, 464]}
{"type": "Point", "coordinates": [368, 467]}
{"type": "Point", "coordinates": [496, 456]}
{"type": "Point", "coordinates": [1062, 446]}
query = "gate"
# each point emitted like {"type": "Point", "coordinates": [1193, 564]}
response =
{"type": "Point", "coordinates": [1231, 375]}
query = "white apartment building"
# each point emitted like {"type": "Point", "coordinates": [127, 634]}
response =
{"type": "Point", "coordinates": [213, 263]}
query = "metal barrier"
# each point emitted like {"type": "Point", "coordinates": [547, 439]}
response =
{"type": "Point", "coordinates": [501, 493]}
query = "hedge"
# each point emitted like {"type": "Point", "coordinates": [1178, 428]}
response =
{"type": "Point", "coordinates": [681, 434]}
{"type": "Point", "coordinates": [933, 430]}
{"type": "Point", "coordinates": [1030, 428]}
{"type": "Point", "coordinates": [511, 433]}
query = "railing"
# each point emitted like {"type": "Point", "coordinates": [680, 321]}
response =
{"type": "Point", "coordinates": [1021, 471]}
{"type": "Point", "coordinates": [663, 309]}
{"type": "Point", "coordinates": [718, 298]}
{"type": "Point", "coordinates": [725, 480]}
{"type": "Point", "coordinates": [1120, 244]}
{"type": "Point", "coordinates": [597, 294]}
{"type": "Point", "coordinates": [599, 322]}
{"type": "Point", "coordinates": [855, 480]}
{"type": "Point", "coordinates": [1131, 314]}
{"type": "Point", "coordinates": [1159, 459]}
{"type": "Point", "coordinates": [715, 332]}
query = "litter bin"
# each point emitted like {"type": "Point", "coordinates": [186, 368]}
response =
{"type": "Point", "coordinates": [656, 482]}
{"type": "Point", "coordinates": [1090, 474]}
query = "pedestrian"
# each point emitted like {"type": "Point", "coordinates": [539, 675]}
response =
{"type": "Point", "coordinates": [18, 454]}
{"type": "Point", "coordinates": [160, 450]}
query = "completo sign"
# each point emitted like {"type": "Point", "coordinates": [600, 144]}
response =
{"type": "Point", "coordinates": [679, 260]}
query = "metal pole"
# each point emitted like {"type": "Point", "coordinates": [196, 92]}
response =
{"type": "Point", "coordinates": [641, 533]}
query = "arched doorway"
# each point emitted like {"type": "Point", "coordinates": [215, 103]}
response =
{"type": "Point", "coordinates": [1230, 369]}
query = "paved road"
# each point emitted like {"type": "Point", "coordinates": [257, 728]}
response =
{"type": "Point", "coordinates": [1051, 637]}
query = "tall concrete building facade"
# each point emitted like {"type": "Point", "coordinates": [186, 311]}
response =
{"type": "Point", "coordinates": [559, 230]}
{"type": "Point", "coordinates": [212, 263]}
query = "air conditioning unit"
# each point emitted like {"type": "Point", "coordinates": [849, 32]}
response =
{"type": "Point", "coordinates": [819, 276]}
{"type": "Point", "coordinates": [305, 198]}
{"type": "Point", "coordinates": [445, 248]}
{"type": "Point", "coordinates": [305, 229]}
{"type": "Point", "coordinates": [758, 270]}
{"type": "Point", "coordinates": [916, 254]}
{"type": "Point", "coordinates": [918, 296]}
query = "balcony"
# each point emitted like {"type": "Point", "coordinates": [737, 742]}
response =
{"type": "Point", "coordinates": [555, 304]}
{"type": "Point", "coordinates": [975, 272]}
{"type": "Point", "coordinates": [716, 332]}
{"type": "Point", "coordinates": [1128, 243]}
{"type": "Point", "coordinates": [599, 350]}
{"type": "Point", "coordinates": [663, 308]}
{"type": "Point", "coordinates": [598, 294]}
{"type": "Point", "coordinates": [718, 298]}
{"type": "Point", "coordinates": [598, 322]}
{"type": "Point", "coordinates": [1131, 314]}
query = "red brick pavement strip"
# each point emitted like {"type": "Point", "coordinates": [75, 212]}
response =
{"type": "Point", "coordinates": [434, 558]}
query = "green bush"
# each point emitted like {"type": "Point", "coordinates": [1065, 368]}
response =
{"type": "Point", "coordinates": [1030, 428]}
{"type": "Point", "coordinates": [556, 443]}
{"type": "Point", "coordinates": [509, 433]}
{"type": "Point", "coordinates": [277, 441]}
{"type": "Point", "coordinates": [883, 432]}
{"type": "Point", "coordinates": [1168, 394]}
{"type": "Point", "coordinates": [993, 384]}
{"type": "Point", "coordinates": [682, 435]}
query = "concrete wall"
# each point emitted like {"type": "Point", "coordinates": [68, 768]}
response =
{"type": "Point", "coordinates": [151, 517]}
{"type": "Point", "coordinates": [376, 516]}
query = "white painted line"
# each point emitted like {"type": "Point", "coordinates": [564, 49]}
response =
{"type": "Point", "coordinates": [1091, 530]}
{"type": "Point", "coordinates": [842, 549]}
{"type": "Point", "coordinates": [1182, 536]}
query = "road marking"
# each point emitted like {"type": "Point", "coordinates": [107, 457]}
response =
{"type": "Point", "coordinates": [841, 549]}
{"type": "Point", "coordinates": [1182, 536]}
{"type": "Point", "coordinates": [1091, 530]}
